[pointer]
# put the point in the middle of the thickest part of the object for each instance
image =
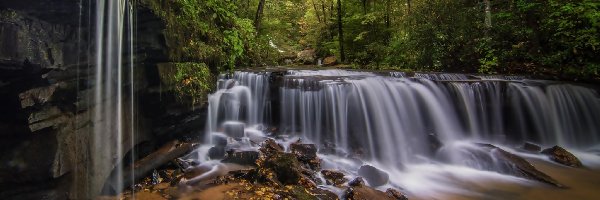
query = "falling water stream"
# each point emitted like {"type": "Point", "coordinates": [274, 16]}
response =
{"type": "Point", "coordinates": [114, 100]}
{"type": "Point", "coordinates": [390, 120]}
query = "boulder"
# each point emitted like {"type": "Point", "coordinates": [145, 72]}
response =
{"type": "Point", "coordinates": [307, 154]}
{"type": "Point", "coordinates": [306, 57]}
{"type": "Point", "coordinates": [330, 61]}
{"type": "Point", "coordinates": [242, 157]}
{"type": "Point", "coordinates": [434, 143]}
{"type": "Point", "coordinates": [304, 151]}
{"type": "Point", "coordinates": [375, 177]}
{"type": "Point", "coordinates": [358, 181]}
{"type": "Point", "coordinates": [234, 129]}
{"type": "Point", "coordinates": [395, 194]}
{"type": "Point", "coordinates": [333, 177]}
{"type": "Point", "coordinates": [285, 166]}
{"type": "Point", "coordinates": [528, 146]}
{"type": "Point", "coordinates": [270, 146]}
{"type": "Point", "coordinates": [508, 163]}
{"type": "Point", "coordinates": [219, 139]}
{"type": "Point", "coordinates": [365, 193]}
{"type": "Point", "coordinates": [562, 156]}
{"type": "Point", "coordinates": [322, 194]}
{"type": "Point", "coordinates": [216, 152]}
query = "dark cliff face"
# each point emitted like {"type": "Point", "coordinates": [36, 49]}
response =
{"type": "Point", "coordinates": [51, 11]}
{"type": "Point", "coordinates": [46, 88]}
{"type": "Point", "coordinates": [38, 62]}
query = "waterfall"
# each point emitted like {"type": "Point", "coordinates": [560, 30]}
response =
{"type": "Point", "coordinates": [393, 118]}
{"type": "Point", "coordinates": [421, 129]}
{"type": "Point", "coordinates": [114, 91]}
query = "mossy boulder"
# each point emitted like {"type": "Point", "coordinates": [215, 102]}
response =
{"type": "Point", "coordinates": [285, 166]}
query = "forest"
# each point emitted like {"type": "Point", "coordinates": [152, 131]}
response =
{"type": "Point", "coordinates": [539, 37]}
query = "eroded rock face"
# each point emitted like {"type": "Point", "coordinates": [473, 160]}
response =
{"type": "Point", "coordinates": [562, 156]}
{"type": "Point", "coordinates": [47, 105]}
{"type": "Point", "coordinates": [375, 177]}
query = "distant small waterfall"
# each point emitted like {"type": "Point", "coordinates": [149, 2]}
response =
{"type": "Point", "coordinates": [113, 111]}
{"type": "Point", "coordinates": [393, 118]}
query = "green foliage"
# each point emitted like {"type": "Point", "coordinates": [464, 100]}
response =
{"type": "Point", "coordinates": [207, 31]}
{"type": "Point", "coordinates": [193, 82]}
{"type": "Point", "coordinates": [556, 37]}
{"type": "Point", "coordinates": [488, 61]}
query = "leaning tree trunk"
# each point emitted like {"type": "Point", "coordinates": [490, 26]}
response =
{"type": "Point", "coordinates": [340, 30]}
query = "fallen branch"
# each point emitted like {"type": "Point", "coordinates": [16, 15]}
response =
{"type": "Point", "coordinates": [146, 165]}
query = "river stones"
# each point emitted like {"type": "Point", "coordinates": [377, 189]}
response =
{"type": "Point", "coordinates": [506, 162]}
{"type": "Point", "coordinates": [562, 156]}
{"type": "Point", "coordinates": [219, 139]}
{"type": "Point", "coordinates": [270, 147]}
{"type": "Point", "coordinates": [333, 177]}
{"type": "Point", "coordinates": [366, 193]}
{"type": "Point", "coordinates": [358, 181]}
{"type": "Point", "coordinates": [528, 146]}
{"type": "Point", "coordinates": [375, 177]}
{"type": "Point", "coordinates": [216, 152]}
{"type": "Point", "coordinates": [285, 166]}
{"type": "Point", "coordinates": [234, 129]}
{"type": "Point", "coordinates": [306, 153]}
{"type": "Point", "coordinates": [395, 194]}
{"type": "Point", "coordinates": [434, 143]}
{"type": "Point", "coordinates": [248, 158]}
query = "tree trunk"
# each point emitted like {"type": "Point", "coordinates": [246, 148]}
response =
{"type": "Point", "coordinates": [340, 31]}
{"type": "Point", "coordinates": [324, 12]}
{"type": "Point", "coordinates": [364, 4]}
{"type": "Point", "coordinates": [259, 13]}
{"type": "Point", "coordinates": [408, 5]}
{"type": "Point", "coordinates": [488, 14]}
{"type": "Point", "coordinates": [387, 14]}
{"type": "Point", "coordinates": [316, 11]}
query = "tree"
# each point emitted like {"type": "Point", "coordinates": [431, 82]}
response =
{"type": "Point", "coordinates": [340, 31]}
{"type": "Point", "coordinates": [259, 13]}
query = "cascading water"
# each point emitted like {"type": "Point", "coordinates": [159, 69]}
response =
{"type": "Point", "coordinates": [393, 120]}
{"type": "Point", "coordinates": [114, 107]}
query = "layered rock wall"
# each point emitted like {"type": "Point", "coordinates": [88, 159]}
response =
{"type": "Point", "coordinates": [47, 99]}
